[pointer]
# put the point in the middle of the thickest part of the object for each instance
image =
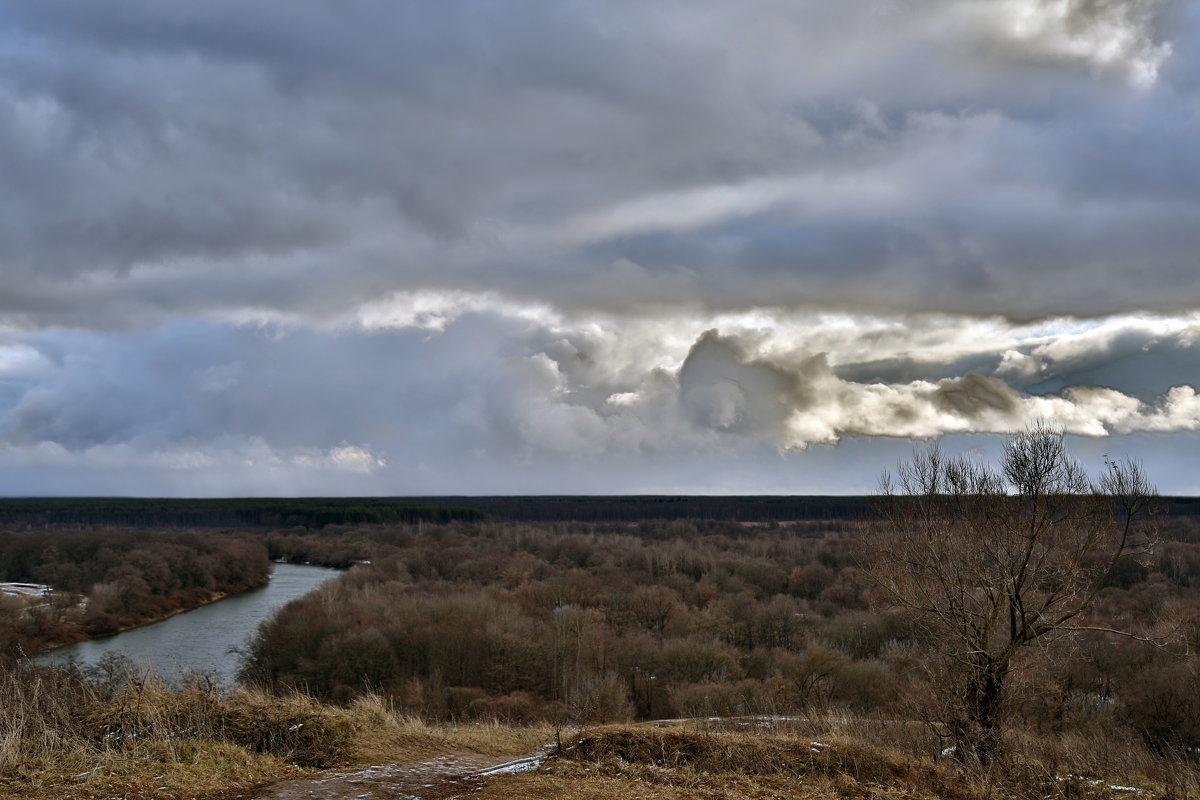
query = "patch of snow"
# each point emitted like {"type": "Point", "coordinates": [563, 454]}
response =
{"type": "Point", "coordinates": [1095, 782]}
{"type": "Point", "coordinates": [25, 589]}
{"type": "Point", "coordinates": [527, 764]}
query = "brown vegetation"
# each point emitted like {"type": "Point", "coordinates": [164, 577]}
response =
{"type": "Point", "coordinates": [586, 622]}
{"type": "Point", "coordinates": [591, 623]}
{"type": "Point", "coordinates": [107, 581]}
{"type": "Point", "coordinates": [994, 561]}
{"type": "Point", "coordinates": [120, 732]}
{"type": "Point", "coordinates": [840, 757]}
{"type": "Point", "coordinates": [456, 635]}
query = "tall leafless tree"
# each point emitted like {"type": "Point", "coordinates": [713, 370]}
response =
{"type": "Point", "coordinates": [993, 560]}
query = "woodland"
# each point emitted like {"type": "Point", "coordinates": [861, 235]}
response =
{"type": "Point", "coordinates": [593, 622]}
{"type": "Point", "coordinates": [108, 580]}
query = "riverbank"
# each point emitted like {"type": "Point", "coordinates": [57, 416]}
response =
{"type": "Point", "coordinates": [213, 597]}
{"type": "Point", "coordinates": [109, 581]}
{"type": "Point", "coordinates": [205, 639]}
{"type": "Point", "coordinates": [83, 636]}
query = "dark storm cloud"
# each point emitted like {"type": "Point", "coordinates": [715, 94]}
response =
{"type": "Point", "coordinates": [1140, 357]}
{"type": "Point", "coordinates": [972, 394]}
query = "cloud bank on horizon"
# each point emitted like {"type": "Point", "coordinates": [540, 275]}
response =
{"type": "Point", "coordinates": [472, 247]}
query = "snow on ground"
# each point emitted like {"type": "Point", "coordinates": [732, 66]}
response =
{"type": "Point", "coordinates": [1097, 783]}
{"type": "Point", "coordinates": [24, 589]}
{"type": "Point", "coordinates": [513, 767]}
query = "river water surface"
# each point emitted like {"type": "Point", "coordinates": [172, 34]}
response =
{"type": "Point", "coordinates": [202, 639]}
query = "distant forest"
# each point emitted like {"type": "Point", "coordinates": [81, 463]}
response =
{"type": "Point", "coordinates": [124, 512]}
{"type": "Point", "coordinates": [317, 512]}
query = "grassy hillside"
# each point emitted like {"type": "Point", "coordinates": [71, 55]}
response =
{"type": "Point", "coordinates": [123, 734]}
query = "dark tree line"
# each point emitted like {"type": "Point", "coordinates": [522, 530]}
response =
{"type": "Point", "coordinates": [316, 513]}
{"type": "Point", "coordinates": [640, 508]}
{"type": "Point", "coordinates": [219, 513]}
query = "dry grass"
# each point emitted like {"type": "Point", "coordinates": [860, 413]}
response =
{"type": "Point", "coordinates": [566, 785]}
{"type": "Point", "coordinates": [64, 737]}
{"type": "Point", "coordinates": [838, 757]}
{"type": "Point", "coordinates": [737, 763]}
{"type": "Point", "coordinates": [386, 735]}
{"type": "Point", "coordinates": [61, 736]}
{"type": "Point", "coordinates": [182, 771]}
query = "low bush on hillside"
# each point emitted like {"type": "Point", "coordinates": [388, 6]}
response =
{"type": "Point", "coordinates": [119, 731]}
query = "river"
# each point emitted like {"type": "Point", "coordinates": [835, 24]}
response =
{"type": "Point", "coordinates": [202, 639]}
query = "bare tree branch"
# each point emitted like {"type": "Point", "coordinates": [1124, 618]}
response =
{"type": "Point", "coordinates": [999, 559]}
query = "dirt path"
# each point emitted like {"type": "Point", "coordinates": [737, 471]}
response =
{"type": "Point", "coordinates": [442, 778]}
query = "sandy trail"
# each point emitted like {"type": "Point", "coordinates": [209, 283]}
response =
{"type": "Point", "coordinates": [447, 776]}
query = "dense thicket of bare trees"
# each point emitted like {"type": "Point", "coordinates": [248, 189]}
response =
{"type": "Point", "coordinates": [689, 618]}
{"type": "Point", "coordinates": [994, 560]}
{"type": "Point", "coordinates": [587, 621]}
{"type": "Point", "coordinates": [111, 579]}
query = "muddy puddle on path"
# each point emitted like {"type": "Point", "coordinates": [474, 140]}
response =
{"type": "Point", "coordinates": [447, 776]}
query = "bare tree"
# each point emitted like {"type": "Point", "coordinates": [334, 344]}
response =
{"type": "Point", "coordinates": [994, 560]}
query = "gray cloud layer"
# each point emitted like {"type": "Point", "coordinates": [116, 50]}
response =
{"type": "Point", "coordinates": [1021, 157]}
{"type": "Point", "coordinates": [487, 401]}
{"type": "Point", "coordinates": [402, 246]}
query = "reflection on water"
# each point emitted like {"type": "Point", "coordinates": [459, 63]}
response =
{"type": "Point", "coordinates": [202, 639]}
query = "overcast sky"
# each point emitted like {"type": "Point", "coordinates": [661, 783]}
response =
{"type": "Point", "coordinates": [588, 246]}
